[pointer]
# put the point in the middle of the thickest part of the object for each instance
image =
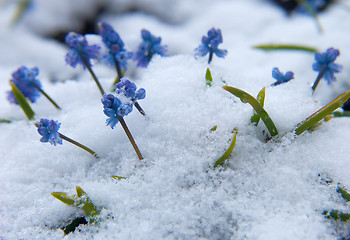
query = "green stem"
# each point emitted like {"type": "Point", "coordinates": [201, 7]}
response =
{"type": "Point", "coordinates": [78, 145]}
{"type": "Point", "coordinates": [269, 47]}
{"type": "Point", "coordinates": [210, 56]}
{"type": "Point", "coordinates": [87, 65]}
{"type": "Point", "coordinates": [119, 72]}
{"type": "Point", "coordinates": [131, 139]}
{"type": "Point", "coordinates": [317, 81]}
{"type": "Point", "coordinates": [47, 96]}
{"type": "Point", "coordinates": [226, 155]}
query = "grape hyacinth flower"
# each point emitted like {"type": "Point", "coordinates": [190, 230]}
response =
{"type": "Point", "coordinates": [48, 129]}
{"type": "Point", "coordinates": [115, 110]}
{"type": "Point", "coordinates": [81, 52]}
{"type": "Point", "coordinates": [280, 77]}
{"type": "Point", "coordinates": [127, 89]}
{"type": "Point", "coordinates": [117, 55]}
{"type": "Point", "coordinates": [210, 45]}
{"type": "Point", "coordinates": [149, 47]}
{"type": "Point", "coordinates": [325, 66]}
{"type": "Point", "coordinates": [26, 81]}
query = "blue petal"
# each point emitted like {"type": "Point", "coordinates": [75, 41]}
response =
{"type": "Point", "coordinates": [140, 94]}
{"type": "Point", "coordinates": [220, 53]}
{"type": "Point", "coordinates": [112, 121]}
{"type": "Point", "coordinates": [109, 112]}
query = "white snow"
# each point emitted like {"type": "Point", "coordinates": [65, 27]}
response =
{"type": "Point", "coordinates": [267, 190]}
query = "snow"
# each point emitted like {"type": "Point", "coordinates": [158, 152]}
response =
{"type": "Point", "coordinates": [270, 190]}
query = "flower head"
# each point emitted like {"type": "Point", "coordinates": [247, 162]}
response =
{"type": "Point", "coordinates": [49, 130]}
{"type": "Point", "coordinates": [325, 64]}
{"type": "Point", "coordinates": [114, 108]}
{"type": "Point", "coordinates": [25, 80]}
{"type": "Point", "coordinates": [149, 47]}
{"type": "Point", "coordinates": [80, 51]}
{"type": "Point", "coordinates": [210, 45]}
{"type": "Point", "coordinates": [128, 89]}
{"type": "Point", "coordinates": [117, 54]}
{"type": "Point", "coordinates": [280, 77]}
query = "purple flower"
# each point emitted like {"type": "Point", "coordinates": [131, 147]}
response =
{"type": "Point", "coordinates": [210, 45]}
{"type": "Point", "coordinates": [128, 89]}
{"type": "Point", "coordinates": [149, 47]}
{"type": "Point", "coordinates": [117, 54]}
{"type": "Point", "coordinates": [280, 77]}
{"type": "Point", "coordinates": [80, 51]}
{"type": "Point", "coordinates": [114, 108]}
{"type": "Point", "coordinates": [48, 129]}
{"type": "Point", "coordinates": [25, 80]}
{"type": "Point", "coordinates": [325, 64]}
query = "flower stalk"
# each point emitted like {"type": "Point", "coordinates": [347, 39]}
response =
{"type": "Point", "coordinates": [47, 96]}
{"type": "Point", "coordinates": [131, 139]}
{"type": "Point", "coordinates": [87, 65]}
{"type": "Point", "coordinates": [78, 144]}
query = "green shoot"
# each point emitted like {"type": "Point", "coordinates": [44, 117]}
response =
{"type": "Point", "coordinates": [226, 155]}
{"type": "Point", "coordinates": [22, 101]}
{"type": "Point", "coordinates": [322, 113]}
{"type": "Point", "coordinates": [270, 47]}
{"type": "Point", "coordinates": [261, 99]}
{"type": "Point", "coordinates": [208, 78]}
{"type": "Point", "coordinates": [247, 98]}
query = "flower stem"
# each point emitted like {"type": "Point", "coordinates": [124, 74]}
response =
{"type": "Point", "coordinates": [47, 96]}
{"type": "Point", "coordinates": [119, 72]}
{"type": "Point", "coordinates": [87, 65]}
{"type": "Point", "coordinates": [131, 139]}
{"type": "Point", "coordinates": [210, 55]}
{"type": "Point", "coordinates": [78, 144]}
{"type": "Point", "coordinates": [319, 76]}
{"type": "Point", "coordinates": [138, 107]}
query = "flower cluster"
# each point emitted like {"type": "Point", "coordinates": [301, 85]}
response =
{"type": "Point", "coordinates": [48, 129]}
{"type": "Point", "coordinates": [149, 47]}
{"type": "Point", "coordinates": [128, 89]}
{"type": "Point", "coordinates": [25, 80]}
{"type": "Point", "coordinates": [80, 51]}
{"type": "Point", "coordinates": [117, 54]}
{"type": "Point", "coordinates": [280, 77]}
{"type": "Point", "coordinates": [210, 45]}
{"type": "Point", "coordinates": [325, 64]}
{"type": "Point", "coordinates": [114, 109]}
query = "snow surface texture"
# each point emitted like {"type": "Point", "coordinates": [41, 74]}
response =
{"type": "Point", "coordinates": [268, 190]}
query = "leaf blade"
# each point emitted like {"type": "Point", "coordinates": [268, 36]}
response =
{"type": "Point", "coordinates": [22, 101]}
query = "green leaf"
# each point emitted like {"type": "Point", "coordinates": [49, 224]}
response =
{"type": "Point", "coordinates": [84, 202]}
{"type": "Point", "coordinates": [5, 121]}
{"type": "Point", "coordinates": [342, 114]}
{"type": "Point", "coordinates": [22, 101]}
{"type": "Point", "coordinates": [64, 198]}
{"type": "Point", "coordinates": [270, 47]}
{"type": "Point", "coordinates": [208, 78]}
{"type": "Point", "coordinates": [118, 177]}
{"type": "Point", "coordinates": [226, 155]}
{"type": "Point", "coordinates": [322, 113]}
{"type": "Point", "coordinates": [261, 99]}
{"type": "Point", "coordinates": [247, 98]}
{"type": "Point", "coordinates": [344, 193]}
{"type": "Point", "coordinates": [213, 129]}
{"type": "Point", "coordinates": [337, 215]}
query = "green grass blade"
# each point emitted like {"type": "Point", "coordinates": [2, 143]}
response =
{"type": "Point", "coordinates": [221, 160]}
{"type": "Point", "coordinates": [85, 203]}
{"type": "Point", "coordinates": [63, 197]}
{"type": "Point", "coordinates": [118, 177]}
{"type": "Point", "coordinates": [208, 78]}
{"type": "Point", "coordinates": [342, 114]}
{"type": "Point", "coordinates": [4, 121]}
{"type": "Point", "coordinates": [22, 101]}
{"type": "Point", "coordinates": [247, 98]}
{"type": "Point", "coordinates": [322, 113]}
{"type": "Point", "coordinates": [344, 193]}
{"type": "Point", "coordinates": [270, 47]}
{"type": "Point", "coordinates": [261, 99]}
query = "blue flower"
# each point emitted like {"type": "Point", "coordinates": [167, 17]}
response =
{"type": "Point", "coordinates": [315, 5]}
{"type": "Point", "coordinates": [128, 89]}
{"type": "Point", "coordinates": [25, 80]}
{"type": "Point", "coordinates": [210, 45]}
{"type": "Point", "coordinates": [325, 64]}
{"type": "Point", "coordinates": [117, 54]}
{"type": "Point", "coordinates": [149, 47]}
{"type": "Point", "coordinates": [280, 77]}
{"type": "Point", "coordinates": [80, 51]}
{"type": "Point", "coordinates": [48, 129]}
{"type": "Point", "coordinates": [114, 108]}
